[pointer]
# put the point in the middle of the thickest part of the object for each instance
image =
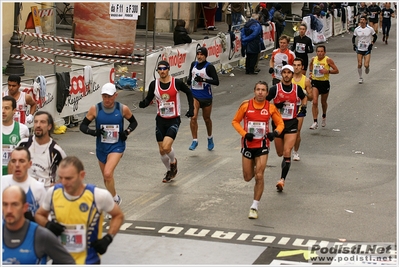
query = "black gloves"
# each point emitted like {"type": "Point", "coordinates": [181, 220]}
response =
{"type": "Point", "coordinates": [302, 110]}
{"type": "Point", "coordinates": [279, 105]}
{"type": "Point", "coordinates": [123, 135]}
{"type": "Point", "coordinates": [370, 47]}
{"type": "Point", "coordinates": [54, 227]}
{"type": "Point", "coordinates": [284, 62]}
{"type": "Point", "coordinates": [101, 245]}
{"type": "Point", "coordinates": [28, 215]}
{"type": "Point", "coordinates": [249, 136]}
{"type": "Point", "coordinates": [198, 79]}
{"type": "Point", "coordinates": [271, 70]}
{"type": "Point", "coordinates": [271, 136]}
{"type": "Point", "coordinates": [354, 47]}
{"type": "Point", "coordinates": [189, 114]}
{"type": "Point", "coordinates": [142, 104]}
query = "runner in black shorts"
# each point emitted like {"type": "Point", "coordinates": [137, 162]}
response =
{"type": "Point", "coordinates": [285, 96]}
{"type": "Point", "coordinates": [320, 68]}
{"type": "Point", "coordinates": [166, 91]}
{"type": "Point", "coordinates": [203, 103]}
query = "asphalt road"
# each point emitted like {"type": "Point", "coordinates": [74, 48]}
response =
{"type": "Point", "coordinates": [344, 187]}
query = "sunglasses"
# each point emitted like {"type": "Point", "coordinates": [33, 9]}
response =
{"type": "Point", "coordinates": [163, 68]}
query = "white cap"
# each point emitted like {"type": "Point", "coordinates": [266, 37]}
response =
{"type": "Point", "coordinates": [108, 88]}
{"type": "Point", "coordinates": [287, 67]}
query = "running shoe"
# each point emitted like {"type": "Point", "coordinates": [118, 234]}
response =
{"type": "Point", "coordinates": [194, 145]}
{"type": "Point", "coordinates": [173, 168]}
{"type": "Point", "coordinates": [323, 122]}
{"type": "Point", "coordinates": [360, 80]}
{"type": "Point", "coordinates": [253, 214]}
{"type": "Point", "coordinates": [168, 177]}
{"type": "Point", "coordinates": [211, 145]}
{"type": "Point", "coordinates": [314, 126]}
{"type": "Point", "coordinates": [119, 201]}
{"type": "Point", "coordinates": [295, 156]}
{"type": "Point", "coordinates": [367, 70]}
{"type": "Point", "coordinates": [280, 185]}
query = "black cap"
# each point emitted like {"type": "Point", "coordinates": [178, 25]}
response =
{"type": "Point", "coordinates": [203, 51]}
{"type": "Point", "coordinates": [163, 62]}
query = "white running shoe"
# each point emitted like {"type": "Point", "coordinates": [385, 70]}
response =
{"type": "Point", "coordinates": [367, 70]}
{"type": "Point", "coordinates": [314, 126]}
{"type": "Point", "coordinates": [253, 214]}
{"type": "Point", "coordinates": [360, 80]}
{"type": "Point", "coordinates": [295, 156]}
{"type": "Point", "coordinates": [323, 122]}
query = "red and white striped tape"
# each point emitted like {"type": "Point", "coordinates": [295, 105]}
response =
{"type": "Point", "coordinates": [46, 12]}
{"type": "Point", "coordinates": [71, 54]}
{"type": "Point", "coordinates": [79, 41]}
{"type": "Point", "coordinates": [39, 59]}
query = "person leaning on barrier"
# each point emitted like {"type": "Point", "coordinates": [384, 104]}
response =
{"type": "Point", "coordinates": [24, 241]}
{"type": "Point", "coordinates": [180, 34]}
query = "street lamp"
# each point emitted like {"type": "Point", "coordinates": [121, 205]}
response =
{"type": "Point", "coordinates": [15, 65]}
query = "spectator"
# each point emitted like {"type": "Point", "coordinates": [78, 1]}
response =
{"type": "Point", "coordinates": [263, 13]}
{"type": "Point", "coordinates": [180, 35]}
{"type": "Point", "coordinates": [279, 20]}
{"type": "Point", "coordinates": [226, 9]}
{"type": "Point", "coordinates": [210, 12]}
{"type": "Point", "coordinates": [237, 10]}
{"type": "Point", "coordinates": [251, 38]}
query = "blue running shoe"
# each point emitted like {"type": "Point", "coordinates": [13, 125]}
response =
{"type": "Point", "coordinates": [194, 145]}
{"type": "Point", "coordinates": [211, 145]}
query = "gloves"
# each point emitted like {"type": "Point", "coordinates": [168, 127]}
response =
{"type": "Point", "coordinates": [284, 62]}
{"type": "Point", "coordinates": [279, 105]}
{"type": "Point", "coordinates": [370, 47]}
{"type": "Point", "coordinates": [271, 70]}
{"type": "Point", "coordinates": [271, 136]}
{"type": "Point", "coordinates": [189, 114]}
{"type": "Point", "coordinates": [123, 135]}
{"type": "Point", "coordinates": [302, 110]}
{"type": "Point", "coordinates": [354, 47]}
{"type": "Point", "coordinates": [54, 227]}
{"type": "Point", "coordinates": [29, 118]}
{"type": "Point", "coordinates": [100, 132]}
{"type": "Point", "coordinates": [249, 136]}
{"type": "Point", "coordinates": [142, 104]}
{"type": "Point", "coordinates": [101, 245]}
{"type": "Point", "coordinates": [28, 215]}
{"type": "Point", "coordinates": [198, 79]}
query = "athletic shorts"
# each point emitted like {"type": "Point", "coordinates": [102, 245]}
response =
{"type": "Point", "coordinates": [252, 153]}
{"type": "Point", "coordinates": [204, 102]}
{"type": "Point", "coordinates": [290, 127]}
{"type": "Point", "coordinates": [300, 115]}
{"type": "Point", "coordinates": [275, 81]}
{"type": "Point", "coordinates": [102, 156]}
{"type": "Point", "coordinates": [364, 53]}
{"type": "Point", "coordinates": [166, 127]}
{"type": "Point", "coordinates": [322, 86]}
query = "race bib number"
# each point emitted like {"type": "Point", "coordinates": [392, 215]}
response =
{"type": "Point", "coordinates": [363, 46]}
{"type": "Point", "coordinates": [287, 111]}
{"type": "Point", "coordinates": [196, 85]}
{"type": "Point", "coordinates": [257, 128]}
{"type": "Point", "coordinates": [317, 69]}
{"type": "Point", "coordinates": [111, 133]}
{"type": "Point", "coordinates": [167, 109]}
{"type": "Point", "coordinates": [7, 149]}
{"type": "Point", "coordinates": [300, 48]}
{"type": "Point", "coordinates": [74, 238]}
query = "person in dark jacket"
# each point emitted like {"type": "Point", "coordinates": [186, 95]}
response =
{"type": "Point", "coordinates": [251, 36]}
{"type": "Point", "coordinates": [263, 12]}
{"type": "Point", "coordinates": [180, 35]}
{"type": "Point", "coordinates": [279, 20]}
{"type": "Point", "coordinates": [302, 46]}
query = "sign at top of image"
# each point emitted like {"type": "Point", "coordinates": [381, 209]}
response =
{"type": "Point", "coordinates": [124, 10]}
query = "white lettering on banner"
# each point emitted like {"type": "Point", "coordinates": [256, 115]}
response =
{"type": "Point", "coordinates": [171, 230]}
{"type": "Point", "coordinates": [223, 235]}
{"type": "Point", "coordinates": [192, 232]}
{"type": "Point", "coordinates": [181, 56]}
{"type": "Point", "coordinates": [264, 239]}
